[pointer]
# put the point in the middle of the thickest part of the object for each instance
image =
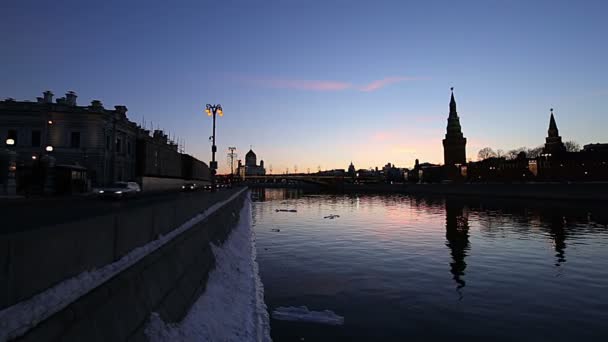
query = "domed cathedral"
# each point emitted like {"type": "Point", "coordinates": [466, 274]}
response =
{"type": "Point", "coordinates": [251, 168]}
{"type": "Point", "coordinates": [251, 159]}
{"type": "Point", "coordinates": [454, 144]}
{"type": "Point", "coordinates": [553, 142]}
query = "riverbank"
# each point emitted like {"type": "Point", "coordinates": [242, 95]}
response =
{"type": "Point", "coordinates": [558, 191]}
{"type": "Point", "coordinates": [232, 307]}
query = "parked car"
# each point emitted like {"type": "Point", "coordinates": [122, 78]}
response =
{"type": "Point", "coordinates": [190, 187]}
{"type": "Point", "coordinates": [120, 190]}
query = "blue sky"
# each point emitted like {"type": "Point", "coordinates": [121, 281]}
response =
{"type": "Point", "coordinates": [321, 83]}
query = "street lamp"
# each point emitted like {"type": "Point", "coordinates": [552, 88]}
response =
{"type": "Point", "coordinates": [49, 148]}
{"type": "Point", "coordinates": [11, 184]}
{"type": "Point", "coordinates": [212, 110]}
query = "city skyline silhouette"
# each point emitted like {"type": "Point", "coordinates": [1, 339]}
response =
{"type": "Point", "coordinates": [336, 84]}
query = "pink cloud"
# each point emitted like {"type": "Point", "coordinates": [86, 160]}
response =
{"type": "Point", "coordinates": [375, 85]}
{"type": "Point", "coordinates": [307, 85]}
{"type": "Point", "coordinates": [323, 85]}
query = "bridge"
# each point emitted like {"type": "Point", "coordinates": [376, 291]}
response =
{"type": "Point", "coordinates": [316, 179]}
{"type": "Point", "coordinates": [322, 180]}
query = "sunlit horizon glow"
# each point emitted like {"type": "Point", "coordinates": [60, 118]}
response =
{"type": "Point", "coordinates": [311, 83]}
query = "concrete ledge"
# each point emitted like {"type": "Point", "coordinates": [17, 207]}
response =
{"type": "Point", "coordinates": [35, 260]}
{"type": "Point", "coordinates": [166, 281]}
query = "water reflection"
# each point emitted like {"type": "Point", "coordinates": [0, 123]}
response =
{"type": "Point", "coordinates": [262, 194]}
{"type": "Point", "coordinates": [558, 234]}
{"type": "Point", "coordinates": [392, 258]}
{"type": "Point", "coordinates": [457, 236]}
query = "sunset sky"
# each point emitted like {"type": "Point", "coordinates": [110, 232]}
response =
{"type": "Point", "coordinates": [321, 83]}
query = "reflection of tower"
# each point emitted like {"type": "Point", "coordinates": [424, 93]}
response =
{"type": "Point", "coordinates": [457, 235]}
{"type": "Point", "coordinates": [558, 234]}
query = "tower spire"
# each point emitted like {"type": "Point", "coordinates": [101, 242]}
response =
{"type": "Point", "coordinates": [553, 142]}
{"type": "Point", "coordinates": [553, 131]}
{"type": "Point", "coordinates": [453, 104]}
{"type": "Point", "coordinates": [454, 144]}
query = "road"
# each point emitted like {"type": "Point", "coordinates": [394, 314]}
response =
{"type": "Point", "coordinates": [34, 213]}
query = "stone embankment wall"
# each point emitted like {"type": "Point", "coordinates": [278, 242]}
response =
{"type": "Point", "coordinates": [167, 281]}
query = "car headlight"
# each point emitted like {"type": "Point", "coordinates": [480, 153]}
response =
{"type": "Point", "coordinates": [118, 192]}
{"type": "Point", "coordinates": [183, 186]}
{"type": "Point", "coordinates": [101, 191]}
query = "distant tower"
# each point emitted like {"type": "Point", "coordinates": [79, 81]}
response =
{"type": "Point", "coordinates": [553, 142]}
{"type": "Point", "coordinates": [250, 158]}
{"type": "Point", "coordinates": [351, 169]}
{"type": "Point", "coordinates": [454, 144]}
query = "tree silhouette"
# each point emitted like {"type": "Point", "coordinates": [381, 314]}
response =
{"type": "Point", "coordinates": [572, 146]}
{"type": "Point", "coordinates": [486, 153]}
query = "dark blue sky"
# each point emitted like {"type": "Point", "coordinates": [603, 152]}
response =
{"type": "Point", "coordinates": [313, 83]}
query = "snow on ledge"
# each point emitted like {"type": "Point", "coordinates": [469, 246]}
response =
{"type": "Point", "coordinates": [16, 320]}
{"type": "Point", "coordinates": [232, 307]}
{"type": "Point", "coordinates": [302, 314]}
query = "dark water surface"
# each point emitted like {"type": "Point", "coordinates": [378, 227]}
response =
{"type": "Point", "coordinates": [403, 268]}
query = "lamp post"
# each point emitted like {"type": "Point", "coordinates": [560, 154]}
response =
{"type": "Point", "coordinates": [11, 185]}
{"type": "Point", "coordinates": [213, 110]}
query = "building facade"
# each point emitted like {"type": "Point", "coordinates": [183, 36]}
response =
{"type": "Point", "coordinates": [251, 168]}
{"type": "Point", "coordinates": [76, 147]}
{"type": "Point", "coordinates": [555, 163]}
{"type": "Point", "coordinates": [100, 140]}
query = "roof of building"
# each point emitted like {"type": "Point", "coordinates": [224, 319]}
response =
{"type": "Point", "coordinates": [553, 132]}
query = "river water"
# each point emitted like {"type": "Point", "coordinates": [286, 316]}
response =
{"type": "Point", "coordinates": [400, 268]}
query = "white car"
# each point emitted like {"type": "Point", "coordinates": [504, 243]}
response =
{"type": "Point", "coordinates": [120, 190]}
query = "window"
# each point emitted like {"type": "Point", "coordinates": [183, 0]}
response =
{"type": "Point", "coordinates": [118, 145]}
{"type": "Point", "coordinates": [75, 140]}
{"type": "Point", "coordinates": [36, 140]}
{"type": "Point", "coordinates": [107, 142]}
{"type": "Point", "coordinates": [128, 148]}
{"type": "Point", "coordinates": [12, 134]}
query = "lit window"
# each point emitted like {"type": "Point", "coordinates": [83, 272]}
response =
{"type": "Point", "coordinates": [12, 134]}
